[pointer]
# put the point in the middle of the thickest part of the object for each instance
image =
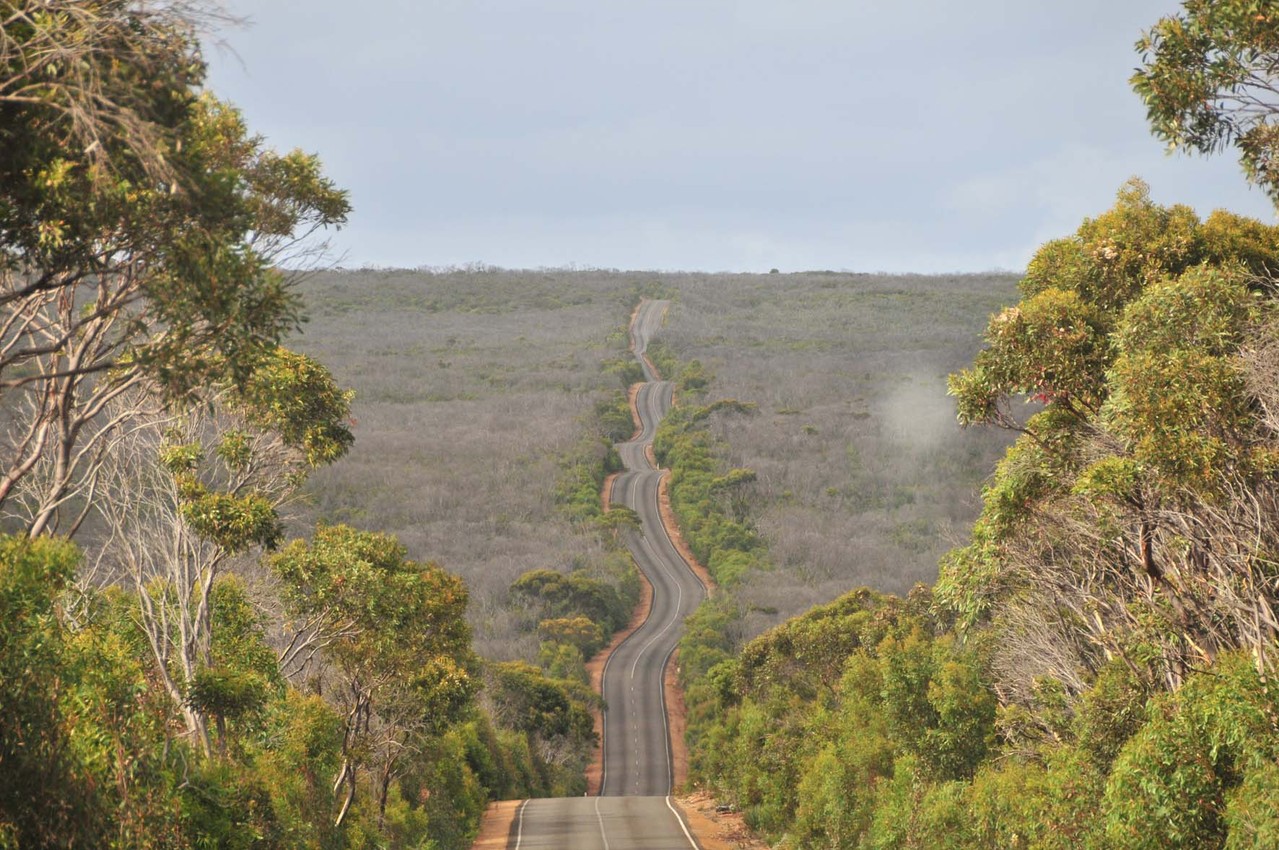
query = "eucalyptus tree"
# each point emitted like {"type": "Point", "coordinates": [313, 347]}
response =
{"type": "Point", "coordinates": [1210, 80]}
{"type": "Point", "coordinates": [140, 227]}
{"type": "Point", "coordinates": [394, 642]}
{"type": "Point", "coordinates": [1137, 515]}
{"type": "Point", "coordinates": [182, 494]}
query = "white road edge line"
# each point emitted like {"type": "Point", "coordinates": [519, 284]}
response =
{"type": "Point", "coordinates": [519, 828]}
{"type": "Point", "coordinates": [599, 817]}
{"type": "Point", "coordinates": [692, 842]}
{"type": "Point", "coordinates": [666, 728]}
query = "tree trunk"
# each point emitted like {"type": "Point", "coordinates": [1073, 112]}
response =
{"type": "Point", "coordinates": [345, 776]}
{"type": "Point", "coordinates": [384, 789]}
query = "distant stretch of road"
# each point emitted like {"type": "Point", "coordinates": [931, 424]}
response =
{"type": "Point", "coordinates": [633, 811]}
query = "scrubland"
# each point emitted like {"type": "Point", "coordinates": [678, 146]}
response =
{"type": "Point", "coordinates": [472, 387]}
{"type": "Point", "coordinates": [470, 390]}
{"type": "Point", "coordinates": [863, 475]}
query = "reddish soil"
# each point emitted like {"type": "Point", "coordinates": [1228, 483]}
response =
{"type": "Point", "coordinates": [676, 720]}
{"type": "Point", "coordinates": [713, 830]}
{"type": "Point", "coordinates": [606, 492]}
{"type": "Point", "coordinates": [656, 374]}
{"type": "Point", "coordinates": [630, 323]}
{"type": "Point", "coordinates": [672, 529]}
{"type": "Point", "coordinates": [632, 393]}
{"type": "Point", "coordinates": [495, 827]}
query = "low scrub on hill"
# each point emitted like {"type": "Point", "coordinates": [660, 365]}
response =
{"type": "Point", "coordinates": [477, 397]}
{"type": "Point", "coordinates": [860, 476]}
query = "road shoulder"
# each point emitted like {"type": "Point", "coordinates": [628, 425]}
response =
{"type": "Point", "coordinates": [495, 826]}
{"type": "Point", "coordinates": [716, 830]}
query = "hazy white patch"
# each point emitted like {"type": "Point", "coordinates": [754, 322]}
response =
{"type": "Point", "coordinates": [918, 415]}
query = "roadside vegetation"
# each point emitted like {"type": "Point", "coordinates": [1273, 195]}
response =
{"type": "Point", "coordinates": [1094, 668]}
{"type": "Point", "coordinates": [207, 664]}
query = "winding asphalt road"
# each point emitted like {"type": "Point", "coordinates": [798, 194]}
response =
{"type": "Point", "coordinates": [633, 811]}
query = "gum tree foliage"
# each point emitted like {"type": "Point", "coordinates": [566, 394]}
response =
{"type": "Point", "coordinates": [572, 595]}
{"type": "Point", "coordinates": [554, 713]}
{"type": "Point", "coordinates": [86, 738]}
{"type": "Point", "coordinates": [1210, 80]}
{"type": "Point", "coordinates": [242, 674]}
{"type": "Point", "coordinates": [712, 509]}
{"type": "Point", "coordinates": [580, 632]}
{"type": "Point", "coordinates": [79, 66]}
{"type": "Point", "coordinates": [140, 223]}
{"type": "Point", "coordinates": [83, 721]}
{"type": "Point", "coordinates": [182, 494]}
{"type": "Point", "coordinates": [808, 727]}
{"type": "Point", "coordinates": [1136, 516]}
{"type": "Point", "coordinates": [394, 640]}
{"type": "Point", "coordinates": [870, 722]}
{"type": "Point", "coordinates": [36, 746]}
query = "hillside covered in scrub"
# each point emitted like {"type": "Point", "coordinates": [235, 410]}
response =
{"type": "Point", "coordinates": [1093, 669]}
{"type": "Point", "coordinates": [1094, 666]}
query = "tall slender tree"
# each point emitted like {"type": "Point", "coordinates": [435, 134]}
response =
{"type": "Point", "coordinates": [141, 225]}
{"type": "Point", "coordinates": [181, 495]}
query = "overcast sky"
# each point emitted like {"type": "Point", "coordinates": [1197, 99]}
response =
{"type": "Point", "coordinates": [713, 135]}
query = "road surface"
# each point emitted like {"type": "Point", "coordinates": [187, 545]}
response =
{"type": "Point", "coordinates": [600, 823]}
{"type": "Point", "coordinates": [633, 811]}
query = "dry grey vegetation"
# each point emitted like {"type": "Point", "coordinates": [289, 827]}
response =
{"type": "Point", "coordinates": [864, 475]}
{"type": "Point", "coordinates": [470, 386]}
{"type": "Point", "coordinates": [472, 383]}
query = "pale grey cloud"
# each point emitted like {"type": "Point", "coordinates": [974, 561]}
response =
{"type": "Point", "coordinates": [715, 134]}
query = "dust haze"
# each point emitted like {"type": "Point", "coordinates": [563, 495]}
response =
{"type": "Point", "coordinates": [918, 415]}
